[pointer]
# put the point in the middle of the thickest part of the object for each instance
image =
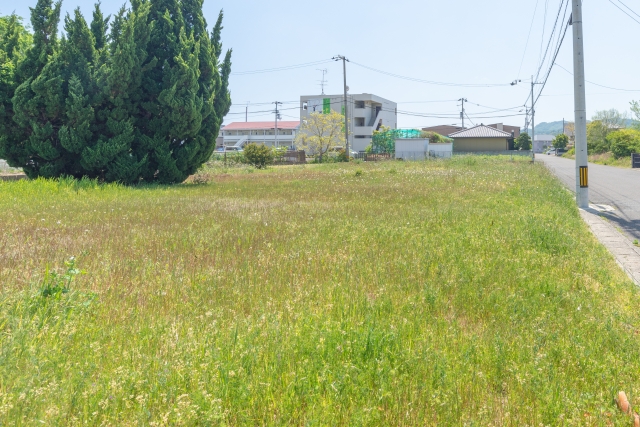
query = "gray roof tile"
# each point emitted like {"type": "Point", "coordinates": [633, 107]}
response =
{"type": "Point", "coordinates": [480, 131]}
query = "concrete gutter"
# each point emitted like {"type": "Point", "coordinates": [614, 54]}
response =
{"type": "Point", "coordinates": [625, 252]}
{"type": "Point", "coordinates": [13, 177]}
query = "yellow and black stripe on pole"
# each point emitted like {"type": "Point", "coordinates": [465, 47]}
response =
{"type": "Point", "coordinates": [584, 177]}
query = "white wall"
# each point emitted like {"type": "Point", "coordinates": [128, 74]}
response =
{"type": "Point", "coordinates": [412, 149]}
{"type": "Point", "coordinates": [441, 150]}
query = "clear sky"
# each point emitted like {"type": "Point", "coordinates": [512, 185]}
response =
{"type": "Point", "coordinates": [465, 42]}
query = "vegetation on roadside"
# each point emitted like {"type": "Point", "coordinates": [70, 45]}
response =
{"type": "Point", "coordinates": [398, 293]}
{"type": "Point", "coordinates": [523, 142]}
{"type": "Point", "coordinates": [560, 141]}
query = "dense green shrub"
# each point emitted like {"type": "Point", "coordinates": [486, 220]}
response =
{"type": "Point", "coordinates": [523, 142]}
{"type": "Point", "coordinates": [560, 141]}
{"type": "Point", "coordinates": [624, 142]}
{"type": "Point", "coordinates": [258, 155]}
{"type": "Point", "coordinates": [144, 102]}
{"type": "Point", "coordinates": [434, 137]}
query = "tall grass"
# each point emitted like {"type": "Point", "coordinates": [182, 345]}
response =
{"type": "Point", "coordinates": [446, 293]}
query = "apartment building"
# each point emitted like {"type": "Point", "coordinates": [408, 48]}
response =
{"type": "Point", "coordinates": [238, 134]}
{"type": "Point", "coordinates": [366, 113]}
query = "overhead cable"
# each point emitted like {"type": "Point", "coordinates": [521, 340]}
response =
{"type": "Point", "coordinates": [431, 82]}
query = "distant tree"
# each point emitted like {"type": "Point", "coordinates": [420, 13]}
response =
{"type": "Point", "coordinates": [383, 140]}
{"type": "Point", "coordinates": [560, 141]}
{"type": "Point", "coordinates": [624, 142]}
{"type": "Point", "coordinates": [602, 124]}
{"type": "Point", "coordinates": [570, 130]}
{"type": "Point", "coordinates": [434, 138]}
{"type": "Point", "coordinates": [523, 142]}
{"type": "Point", "coordinates": [258, 155]}
{"type": "Point", "coordinates": [635, 109]}
{"type": "Point", "coordinates": [319, 133]}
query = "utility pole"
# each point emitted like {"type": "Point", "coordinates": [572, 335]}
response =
{"type": "Point", "coordinates": [346, 109]}
{"type": "Point", "coordinates": [323, 81]}
{"type": "Point", "coordinates": [246, 113]}
{"type": "Point", "coordinates": [276, 129]}
{"type": "Point", "coordinates": [582, 166]}
{"type": "Point", "coordinates": [533, 119]}
{"type": "Point", "coordinates": [563, 125]}
{"type": "Point", "coordinates": [463, 100]}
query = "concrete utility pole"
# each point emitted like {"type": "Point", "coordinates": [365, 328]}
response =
{"type": "Point", "coordinates": [582, 166]}
{"type": "Point", "coordinates": [275, 144]}
{"type": "Point", "coordinates": [346, 108]}
{"type": "Point", "coordinates": [533, 119]}
{"type": "Point", "coordinates": [462, 112]}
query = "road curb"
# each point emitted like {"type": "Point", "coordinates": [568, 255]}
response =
{"type": "Point", "coordinates": [627, 255]}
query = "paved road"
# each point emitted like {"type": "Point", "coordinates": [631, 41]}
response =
{"type": "Point", "coordinates": [608, 185]}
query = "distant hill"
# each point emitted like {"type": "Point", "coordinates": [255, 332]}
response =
{"type": "Point", "coordinates": [548, 128]}
{"type": "Point", "coordinates": [555, 128]}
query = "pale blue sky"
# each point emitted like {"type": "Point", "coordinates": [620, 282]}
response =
{"type": "Point", "coordinates": [456, 41]}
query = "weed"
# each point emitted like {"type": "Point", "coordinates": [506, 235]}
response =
{"type": "Point", "coordinates": [358, 172]}
{"type": "Point", "coordinates": [54, 284]}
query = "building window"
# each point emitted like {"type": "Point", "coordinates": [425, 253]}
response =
{"type": "Point", "coordinates": [359, 104]}
{"type": "Point", "coordinates": [361, 136]}
{"type": "Point", "coordinates": [359, 121]}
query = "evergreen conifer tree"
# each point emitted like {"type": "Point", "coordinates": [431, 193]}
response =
{"type": "Point", "coordinates": [143, 103]}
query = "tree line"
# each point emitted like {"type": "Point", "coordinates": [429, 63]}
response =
{"type": "Point", "coordinates": [139, 96]}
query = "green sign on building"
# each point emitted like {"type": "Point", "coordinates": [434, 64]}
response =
{"type": "Point", "coordinates": [326, 106]}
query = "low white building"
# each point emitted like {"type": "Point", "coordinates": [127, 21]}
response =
{"type": "Point", "coordinates": [542, 142]}
{"type": "Point", "coordinates": [366, 113]}
{"type": "Point", "coordinates": [238, 134]}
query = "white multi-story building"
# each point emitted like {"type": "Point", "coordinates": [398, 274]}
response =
{"type": "Point", "coordinates": [239, 134]}
{"type": "Point", "coordinates": [542, 142]}
{"type": "Point", "coordinates": [366, 113]}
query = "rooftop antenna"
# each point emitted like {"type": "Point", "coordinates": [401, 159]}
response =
{"type": "Point", "coordinates": [323, 81]}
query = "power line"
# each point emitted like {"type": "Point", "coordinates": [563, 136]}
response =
{"type": "Point", "coordinates": [431, 82]}
{"type": "Point", "coordinates": [528, 37]}
{"type": "Point", "coordinates": [553, 61]}
{"type": "Point", "coordinates": [632, 11]}
{"type": "Point", "coordinates": [408, 113]}
{"type": "Point", "coordinates": [624, 11]}
{"type": "Point", "coordinates": [544, 27]}
{"type": "Point", "coordinates": [597, 84]}
{"type": "Point", "coordinates": [285, 68]}
{"type": "Point", "coordinates": [551, 36]}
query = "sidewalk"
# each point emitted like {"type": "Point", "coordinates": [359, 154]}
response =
{"type": "Point", "coordinates": [625, 252]}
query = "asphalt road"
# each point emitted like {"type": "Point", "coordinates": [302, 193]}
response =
{"type": "Point", "coordinates": [608, 185]}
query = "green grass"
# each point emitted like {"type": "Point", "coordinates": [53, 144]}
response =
{"type": "Point", "coordinates": [606, 159]}
{"type": "Point", "coordinates": [461, 292]}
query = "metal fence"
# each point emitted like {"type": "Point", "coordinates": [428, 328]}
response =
{"type": "Point", "coordinates": [635, 160]}
{"type": "Point", "coordinates": [291, 158]}
{"type": "Point", "coordinates": [493, 153]}
{"type": "Point", "coordinates": [370, 157]}
{"type": "Point", "coordinates": [411, 155]}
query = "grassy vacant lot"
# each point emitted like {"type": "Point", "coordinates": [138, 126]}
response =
{"type": "Point", "coordinates": [463, 292]}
